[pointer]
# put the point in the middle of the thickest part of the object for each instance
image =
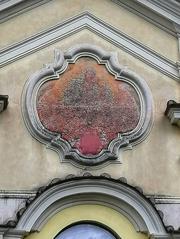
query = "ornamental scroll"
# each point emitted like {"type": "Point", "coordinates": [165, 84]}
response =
{"type": "Point", "coordinates": [86, 106]}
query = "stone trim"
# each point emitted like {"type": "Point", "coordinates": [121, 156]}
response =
{"type": "Point", "coordinates": [142, 9]}
{"type": "Point", "coordinates": [161, 13]}
{"type": "Point", "coordinates": [88, 21]}
{"type": "Point", "coordinates": [32, 197]}
{"type": "Point", "coordinates": [163, 199]}
{"type": "Point", "coordinates": [12, 8]}
{"type": "Point", "coordinates": [109, 192]}
{"type": "Point", "coordinates": [17, 194]}
{"type": "Point", "coordinates": [168, 9]}
{"type": "Point", "coordinates": [155, 199]}
{"type": "Point", "coordinates": [173, 112]}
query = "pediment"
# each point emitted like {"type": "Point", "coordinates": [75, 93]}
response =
{"type": "Point", "coordinates": [90, 22]}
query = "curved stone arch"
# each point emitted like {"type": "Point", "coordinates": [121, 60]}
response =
{"type": "Point", "coordinates": [93, 190]}
{"type": "Point", "coordinates": [54, 140]}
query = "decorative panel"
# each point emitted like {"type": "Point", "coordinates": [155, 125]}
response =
{"type": "Point", "coordinates": [86, 106]}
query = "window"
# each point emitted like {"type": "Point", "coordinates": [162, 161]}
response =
{"type": "Point", "coordinates": [85, 231]}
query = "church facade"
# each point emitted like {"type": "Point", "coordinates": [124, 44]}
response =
{"type": "Point", "coordinates": [89, 119]}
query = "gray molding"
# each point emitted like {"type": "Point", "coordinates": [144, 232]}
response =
{"type": "Point", "coordinates": [54, 140]}
{"type": "Point", "coordinates": [93, 190]}
{"type": "Point", "coordinates": [97, 26]}
{"type": "Point", "coordinates": [61, 194]}
{"type": "Point", "coordinates": [173, 112]}
{"type": "Point", "coordinates": [3, 102]}
{"type": "Point", "coordinates": [12, 8]}
{"type": "Point", "coordinates": [168, 9]}
{"type": "Point", "coordinates": [25, 194]}
{"type": "Point", "coordinates": [159, 20]}
{"type": "Point", "coordinates": [159, 12]}
{"type": "Point", "coordinates": [163, 199]}
{"type": "Point", "coordinates": [160, 202]}
{"type": "Point", "coordinates": [177, 27]}
{"type": "Point", "coordinates": [13, 234]}
{"type": "Point", "coordinates": [21, 194]}
{"type": "Point", "coordinates": [162, 237]}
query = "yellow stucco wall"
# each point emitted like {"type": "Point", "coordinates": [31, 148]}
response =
{"type": "Point", "coordinates": [95, 213]}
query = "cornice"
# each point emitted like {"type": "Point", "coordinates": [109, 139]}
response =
{"type": "Point", "coordinates": [159, 12]}
{"type": "Point", "coordinates": [6, 4]}
{"type": "Point", "coordinates": [19, 194]}
{"type": "Point", "coordinates": [159, 20]}
{"type": "Point", "coordinates": [26, 194]}
{"type": "Point", "coordinates": [164, 199]}
{"type": "Point", "coordinates": [11, 8]}
{"type": "Point", "coordinates": [168, 9]}
{"type": "Point", "coordinates": [88, 21]}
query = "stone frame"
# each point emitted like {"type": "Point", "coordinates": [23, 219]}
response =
{"type": "Point", "coordinates": [54, 140]}
{"type": "Point", "coordinates": [74, 191]}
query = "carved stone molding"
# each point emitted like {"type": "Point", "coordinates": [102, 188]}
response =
{"type": "Point", "coordinates": [3, 102]}
{"type": "Point", "coordinates": [102, 190]}
{"type": "Point", "coordinates": [163, 203]}
{"type": "Point", "coordinates": [161, 13]}
{"type": "Point", "coordinates": [12, 8]}
{"type": "Point", "coordinates": [63, 94]}
{"type": "Point", "coordinates": [110, 192]}
{"type": "Point", "coordinates": [173, 112]}
{"type": "Point", "coordinates": [88, 21]}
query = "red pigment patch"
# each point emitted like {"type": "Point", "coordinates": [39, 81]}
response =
{"type": "Point", "coordinates": [87, 106]}
{"type": "Point", "coordinates": [90, 143]}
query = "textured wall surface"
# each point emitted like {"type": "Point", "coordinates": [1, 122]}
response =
{"type": "Point", "coordinates": [56, 11]}
{"type": "Point", "coordinates": [88, 106]}
{"type": "Point", "coordinates": [153, 165]}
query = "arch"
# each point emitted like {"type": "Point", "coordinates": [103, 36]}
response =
{"type": "Point", "coordinates": [92, 190]}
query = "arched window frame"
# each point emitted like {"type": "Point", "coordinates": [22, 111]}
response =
{"type": "Point", "coordinates": [104, 191]}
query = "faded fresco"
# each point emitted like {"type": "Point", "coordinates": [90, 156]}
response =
{"type": "Point", "coordinates": [85, 231]}
{"type": "Point", "coordinates": [88, 106]}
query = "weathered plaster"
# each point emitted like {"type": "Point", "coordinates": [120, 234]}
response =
{"type": "Point", "coordinates": [88, 106]}
{"type": "Point", "coordinates": [27, 164]}
{"type": "Point", "coordinates": [36, 20]}
{"type": "Point", "coordinates": [9, 207]}
{"type": "Point", "coordinates": [171, 214]}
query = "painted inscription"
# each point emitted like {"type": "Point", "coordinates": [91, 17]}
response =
{"type": "Point", "coordinates": [88, 106]}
